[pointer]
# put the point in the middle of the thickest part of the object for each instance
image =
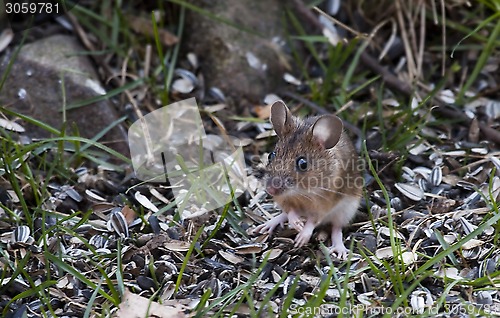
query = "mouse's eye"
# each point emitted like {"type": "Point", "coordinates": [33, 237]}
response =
{"type": "Point", "coordinates": [271, 156]}
{"type": "Point", "coordinates": [301, 164]}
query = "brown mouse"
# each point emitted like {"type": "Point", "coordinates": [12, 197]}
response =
{"type": "Point", "coordinates": [314, 174]}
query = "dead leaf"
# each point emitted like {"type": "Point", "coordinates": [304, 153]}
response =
{"type": "Point", "coordinates": [474, 131]}
{"type": "Point", "coordinates": [135, 306]}
{"type": "Point", "coordinates": [145, 26]}
{"type": "Point", "coordinates": [129, 214]}
{"type": "Point", "coordinates": [263, 112]}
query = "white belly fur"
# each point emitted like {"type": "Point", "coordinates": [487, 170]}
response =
{"type": "Point", "coordinates": [343, 212]}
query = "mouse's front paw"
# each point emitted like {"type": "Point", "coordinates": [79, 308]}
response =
{"type": "Point", "coordinates": [295, 222]}
{"type": "Point", "coordinates": [270, 225]}
{"type": "Point", "coordinates": [305, 234]}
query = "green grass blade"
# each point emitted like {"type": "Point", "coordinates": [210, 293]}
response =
{"type": "Point", "coordinates": [186, 258]}
{"type": "Point", "coordinates": [81, 277]}
{"type": "Point", "coordinates": [486, 53]}
{"type": "Point", "coordinates": [108, 95]}
{"type": "Point", "coordinates": [439, 257]}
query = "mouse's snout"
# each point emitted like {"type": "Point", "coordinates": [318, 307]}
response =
{"type": "Point", "coordinates": [277, 185]}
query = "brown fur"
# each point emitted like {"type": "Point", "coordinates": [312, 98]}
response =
{"type": "Point", "coordinates": [331, 175]}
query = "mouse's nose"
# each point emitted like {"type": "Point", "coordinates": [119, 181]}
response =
{"type": "Point", "coordinates": [272, 191]}
{"type": "Point", "coordinates": [275, 186]}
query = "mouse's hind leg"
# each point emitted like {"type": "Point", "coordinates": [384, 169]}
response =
{"type": "Point", "coordinates": [338, 246]}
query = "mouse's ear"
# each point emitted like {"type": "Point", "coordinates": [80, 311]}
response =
{"type": "Point", "coordinates": [280, 116]}
{"type": "Point", "coordinates": [327, 130]}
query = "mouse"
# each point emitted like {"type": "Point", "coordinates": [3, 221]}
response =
{"type": "Point", "coordinates": [314, 176]}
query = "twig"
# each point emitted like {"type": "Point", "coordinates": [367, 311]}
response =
{"type": "Point", "coordinates": [320, 110]}
{"type": "Point", "coordinates": [90, 46]}
{"type": "Point", "coordinates": [346, 27]}
{"type": "Point", "coordinates": [443, 27]}
{"type": "Point", "coordinates": [147, 60]}
{"type": "Point", "coordinates": [390, 79]}
{"type": "Point", "coordinates": [451, 112]}
{"type": "Point", "coordinates": [390, 41]}
{"type": "Point", "coordinates": [421, 46]}
{"type": "Point", "coordinates": [406, 41]}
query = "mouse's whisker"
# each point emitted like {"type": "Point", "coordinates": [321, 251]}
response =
{"type": "Point", "coordinates": [331, 190]}
{"type": "Point", "coordinates": [316, 194]}
{"type": "Point", "coordinates": [303, 195]}
{"type": "Point", "coordinates": [306, 196]}
{"type": "Point", "coordinates": [324, 197]}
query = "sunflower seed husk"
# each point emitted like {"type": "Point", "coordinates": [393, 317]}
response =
{"type": "Point", "coordinates": [417, 303]}
{"type": "Point", "coordinates": [187, 75]}
{"type": "Point", "coordinates": [6, 37]}
{"type": "Point", "coordinates": [193, 59]}
{"type": "Point", "coordinates": [255, 62]}
{"type": "Point", "coordinates": [472, 244]}
{"type": "Point", "coordinates": [144, 201]}
{"type": "Point", "coordinates": [495, 188]}
{"type": "Point", "coordinates": [447, 96]}
{"type": "Point", "coordinates": [410, 191]}
{"type": "Point", "coordinates": [455, 153]}
{"type": "Point", "coordinates": [483, 297]}
{"type": "Point", "coordinates": [481, 151]}
{"type": "Point", "coordinates": [377, 211]}
{"type": "Point", "coordinates": [384, 252]}
{"type": "Point", "coordinates": [177, 246]}
{"type": "Point", "coordinates": [289, 78]}
{"type": "Point", "coordinates": [397, 204]}
{"type": "Point", "coordinates": [467, 226]}
{"type": "Point", "coordinates": [183, 85]}
{"type": "Point", "coordinates": [273, 254]}
{"type": "Point", "coordinates": [98, 241]}
{"type": "Point", "coordinates": [472, 198]}
{"type": "Point", "coordinates": [21, 234]}
{"type": "Point", "coordinates": [448, 272]}
{"type": "Point", "coordinates": [436, 176]}
{"type": "Point", "coordinates": [384, 231]}
{"type": "Point", "coordinates": [271, 98]}
{"type": "Point", "coordinates": [423, 171]}
{"type": "Point", "coordinates": [12, 126]}
{"type": "Point", "coordinates": [231, 257]}
{"type": "Point", "coordinates": [251, 248]}
{"type": "Point", "coordinates": [450, 238]}
{"type": "Point", "coordinates": [408, 174]}
{"type": "Point", "coordinates": [423, 184]}
{"type": "Point", "coordinates": [496, 162]}
{"type": "Point", "coordinates": [118, 223]}
{"type": "Point", "coordinates": [466, 185]}
{"type": "Point", "coordinates": [94, 196]}
{"type": "Point", "coordinates": [71, 192]}
{"type": "Point", "coordinates": [217, 94]}
{"type": "Point", "coordinates": [488, 267]}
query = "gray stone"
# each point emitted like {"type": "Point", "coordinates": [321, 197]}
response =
{"type": "Point", "coordinates": [46, 73]}
{"type": "Point", "coordinates": [224, 51]}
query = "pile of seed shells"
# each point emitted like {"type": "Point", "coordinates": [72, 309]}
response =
{"type": "Point", "coordinates": [432, 206]}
